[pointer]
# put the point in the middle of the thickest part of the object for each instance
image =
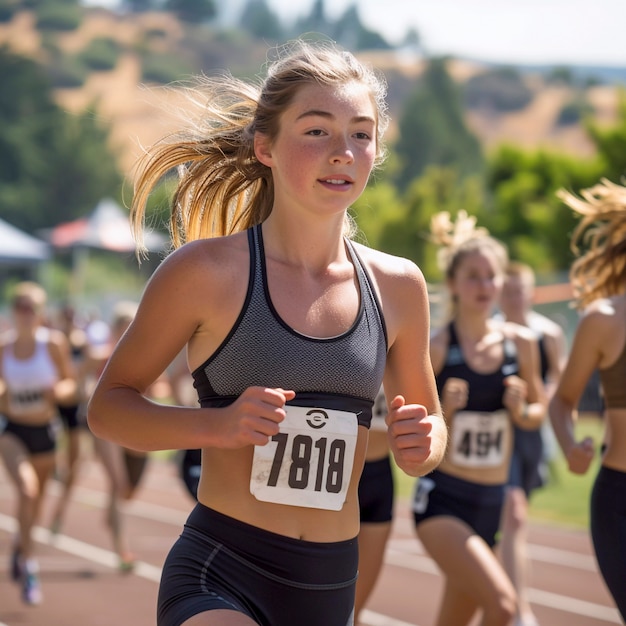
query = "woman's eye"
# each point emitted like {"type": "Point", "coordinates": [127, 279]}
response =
{"type": "Point", "coordinates": [362, 135]}
{"type": "Point", "coordinates": [316, 132]}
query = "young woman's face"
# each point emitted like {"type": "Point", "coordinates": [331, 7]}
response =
{"type": "Point", "coordinates": [477, 282]}
{"type": "Point", "coordinates": [325, 149]}
{"type": "Point", "coordinates": [26, 312]}
{"type": "Point", "coordinates": [516, 295]}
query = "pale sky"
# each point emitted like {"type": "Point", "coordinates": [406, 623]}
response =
{"type": "Point", "coordinates": [586, 32]}
{"type": "Point", "coordinates": [555, 32]}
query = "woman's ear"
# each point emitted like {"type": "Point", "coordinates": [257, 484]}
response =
{"type": "Point", "coordinates": [263, 149]}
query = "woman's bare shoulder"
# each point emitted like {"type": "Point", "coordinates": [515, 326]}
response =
{"type": "Point", "coordinates": [391, 271]}
{"type": "Point", "coordinates": [208, 260]}
{"type": "Point", "coordinates": [602, 318]}
{"type": "Point", "coordinates": [57, 337]}
{"type": "Point", "coordinates": [517, 332]}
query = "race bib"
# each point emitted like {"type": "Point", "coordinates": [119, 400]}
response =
{"type": "Point", "coordinates": [309, 462]}
{"type": "Point", "coordinates": [479, 439]}
{"type": "Point", "coordinates": [26, 400]}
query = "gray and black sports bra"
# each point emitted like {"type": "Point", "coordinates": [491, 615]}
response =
{"type": "Point", "coordinates": [342, 373]}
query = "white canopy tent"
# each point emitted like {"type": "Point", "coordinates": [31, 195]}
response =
{"type": "Point", "coordinates": [106, 228]}
{"type": "Point", "coordinates": [20, 248]}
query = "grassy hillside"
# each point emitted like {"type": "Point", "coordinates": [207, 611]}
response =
{"type": "Point", "coordinates": [148, 45]}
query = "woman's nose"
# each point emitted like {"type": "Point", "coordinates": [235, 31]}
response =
{"type": "Point", "coordinates": [342, 153]}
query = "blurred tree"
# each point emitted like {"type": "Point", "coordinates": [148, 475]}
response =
{"type": "Point", "coordinates": [524, 211]}
{"type": "Point", "coordinates": [575, 110]}
{"type": "Point", "coordinates": [54, 166]}
{"type": "Point", "coordinates": [438, 189]}
{"type": "Point", "coordinates": [501, 89]}
{"type": "Point", "coordinates": [138, 6]}
{"type": "Point", "coordinates": [377, 206]}
{"type": "Point", "coordinates": [260, 21]}
{"type": "Point", "coordinates": [58, 15]}
{"type": "Point", "coordinates": [315, 22]}
{"type": "Point", "coordinates": [412, 39]}
{"type": "Point", "coordinates": [349, 31]}
{"type": "Point", "coordinates": [432, 128]}
{"type": "Point", "coordinates": [611, 142]}
{"type": "Point", "coordinates": [192, 11]}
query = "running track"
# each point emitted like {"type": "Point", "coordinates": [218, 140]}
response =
{"type": "Point", "coordinates": [83, 587]}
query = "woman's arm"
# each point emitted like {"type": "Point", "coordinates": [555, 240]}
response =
{"type": "Point", "coordinates": [417, 431]}
{"type": "Point", "coordinates": [525, 396]}
{"type": "Point", "coordinates": [66, 388]}
{"type": "Point", "coordinates": [196, 295]}
{"type": "Point", "coordinates": [584, 358]}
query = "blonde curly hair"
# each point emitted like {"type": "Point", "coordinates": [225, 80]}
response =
{"type": "Point", "coordinates": [457, 238]}
{"type": "Point", "coordinates": [600, 271]}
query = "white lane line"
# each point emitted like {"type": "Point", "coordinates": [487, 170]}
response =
{"type": "Point", "coordinates": [545, 554]}
{"type": "Point", "coordinates": [369, 618]}
{"type": "Point", "coordinates": [144, 510]}
{"type": "Point", "coordinates": [579, 607]}
{"type": "Point", "coordinates": [562, 557]}
{"type": "Point", "coordinates": [399, 558]}
{"type": "Point", "coordinates": [565, 604]}
{"type": "Point", "coordinates": [152, 573]}
{"type": "Point", "coordinates": [81, 549]}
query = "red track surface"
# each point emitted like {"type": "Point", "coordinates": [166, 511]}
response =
{"type": "Point", "coordinates": [83, 587]}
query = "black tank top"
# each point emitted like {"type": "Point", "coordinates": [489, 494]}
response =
{"type": "Point", "coordinates": [485, 390]}
{"type": "Point", "coordinates": [342, 373]}
{"type": "Point", "coordinates": [543, 357]}
{"type": "Point", "coordinates": [543, 353]}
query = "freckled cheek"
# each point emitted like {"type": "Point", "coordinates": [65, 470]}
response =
{"type": "Point", "coordinates": [301, 164]}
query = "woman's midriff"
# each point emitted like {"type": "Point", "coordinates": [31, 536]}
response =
{"type": "Point", "coordinates": [615, 455]}
{"type": "Point", "coordinates": [225, 487]}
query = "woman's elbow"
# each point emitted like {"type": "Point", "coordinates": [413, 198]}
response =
{"type": "Point", "coordinates": [96, 418]}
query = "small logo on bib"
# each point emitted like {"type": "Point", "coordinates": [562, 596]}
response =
{"type": "Point", "coordinates": [317, 418]}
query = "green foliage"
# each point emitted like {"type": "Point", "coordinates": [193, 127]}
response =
{"type": "Point", "coordinates": [192, 11]}
{"type": "Point", "coordinates": [260, 21]}
{"type": "Point", "coordinates": [439, 189]}
{"type": "Point", "coordinates": [432, 129]}
{"type": "Point", "coordinates": [378, 206]}
{"type": "Point", "coordinates": [501, 89]}
{"type": "Point", "coordinates": [574, 111]}
{"type": "Point", "coordinates": [158, 209]}
{"type": "Point", "coordinates": [348, 30]}
{"type": "Point", "coordinates": [164, 68]}
{"type": "Point", "coordinates": [54, 166]}
{"type": "Point", "coordinates": [611, 143]}
{"type": "Point", "coordinates": [67, 72]}
{"type": "Point", "coordinates": [524, 211]}
{"type": "Point", "coordinates": [400, 225]}
{"type": "Point", "coordinates": [102, 53]}
{"type": "Point", "coordinates": [61, 16]}
{"type": "Point", "coordinates": [7, 9]}
{"type": "Point", "coordinates": [140, 5]}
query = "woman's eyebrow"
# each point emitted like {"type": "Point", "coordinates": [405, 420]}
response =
{"type": "Point", "coordinates": [328, 115]}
